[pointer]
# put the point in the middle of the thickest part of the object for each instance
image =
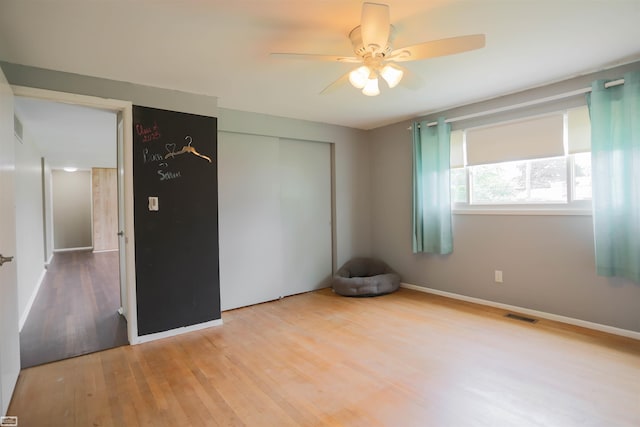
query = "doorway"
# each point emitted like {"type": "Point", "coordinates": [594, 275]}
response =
{"type": "Point", "coordinates": [77, 307]}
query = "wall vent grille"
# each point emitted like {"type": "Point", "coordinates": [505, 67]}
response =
{"type": "Point", "coordinates": [521, 318]}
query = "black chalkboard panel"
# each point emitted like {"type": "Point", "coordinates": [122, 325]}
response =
{"type": "Point", "coordinates": [177, 268]}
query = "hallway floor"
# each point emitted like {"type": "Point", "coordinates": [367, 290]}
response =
{"type": "Point", "coordinates": [75, 311]}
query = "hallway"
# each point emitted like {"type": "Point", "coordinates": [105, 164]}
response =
{"type": "Point", "coordinates": [75, 311]}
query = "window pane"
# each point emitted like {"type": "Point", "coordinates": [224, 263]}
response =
{"type": "Point", "coordinates": [498, 183]}
{"type": "Point", "coordinates": [459, 185]}
{"type": "Point", "coordinates": [582, 176]}
{"type": "Point", "coordinates": [529, 181]}
{"type": "Point", "coordinates": [549, 180]}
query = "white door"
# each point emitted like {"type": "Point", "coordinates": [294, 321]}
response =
{"type": "Point", "coordinates": [249, 219]}
{"type": "Point", "coordinates": [305, 209]}
{"type": "Point", "coordinates": [9, 338]}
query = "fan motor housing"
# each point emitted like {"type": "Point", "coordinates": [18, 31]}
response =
{"type": "Point", "coordinates": [361, 50]}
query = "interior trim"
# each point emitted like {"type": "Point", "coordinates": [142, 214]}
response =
{"type": "Point", "coordinates": [177, 331]}
{"type": "Point", "coordinates": [549, 316]}
{"type": "Point", "coordinates": [32, 298]}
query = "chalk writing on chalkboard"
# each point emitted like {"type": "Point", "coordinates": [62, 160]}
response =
{"type": "Point", "coordinates": [162, 159]}
{"type": "Point", "coordinates": [164, 175]}
{"type": "Point", "coordinates": [148, 134]}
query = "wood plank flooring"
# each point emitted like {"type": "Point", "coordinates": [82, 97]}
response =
{"type": "Point", "coordinates": [316, 359]}
{"type": "Point", "coordinates": [75, 311]}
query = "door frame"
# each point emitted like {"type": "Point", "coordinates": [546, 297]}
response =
{"type": "Point", "coordinates": [9, 315]}
{"type": "Point", "coordinates": [123, 108]}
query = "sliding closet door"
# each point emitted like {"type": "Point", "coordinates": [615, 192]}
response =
{"type": "Point", "coordinates": [249, 219]}
{"type": "Point", "coordinates": [305, 206]}
{"type": "Point", "coordinates": [274, 217]}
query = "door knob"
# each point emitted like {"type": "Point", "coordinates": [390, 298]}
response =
{"type": "Point", "coordinates": [4, 259]}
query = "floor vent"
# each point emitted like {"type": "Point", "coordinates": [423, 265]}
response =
{"type": "Point", "coordinates": [519, 317]}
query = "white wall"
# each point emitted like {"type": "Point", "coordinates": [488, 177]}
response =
{"type": "Point", "coordinates": [29, 225]}
{"type": "Point", "coordinates": [71, 193]}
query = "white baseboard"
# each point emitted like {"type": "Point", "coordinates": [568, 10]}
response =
{"type": "Point", "coordinates": [32, 298]}
{"type": "Point", "coordinates": [84, 248]}
{"type": "Point", "coordinates": [48, 262]}
{"type": "Point", "coordinates": [535, 313]}
{"type": "Point", "coordinates": [178, 331]}
{"type": "Point", "coordinates": [104, 250]}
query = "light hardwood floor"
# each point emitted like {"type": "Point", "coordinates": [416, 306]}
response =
{"type": "Point", "coordinates": [406, 359]}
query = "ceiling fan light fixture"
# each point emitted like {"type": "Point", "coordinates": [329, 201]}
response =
{"type": "Point", "coordinates": [391, 75]}
{"type": "Point", "coordinates": [372, 43]}
{"type": "Point", "coordinates": [358, 77]}
{"type": "Point", "coordinates": [371, 87]}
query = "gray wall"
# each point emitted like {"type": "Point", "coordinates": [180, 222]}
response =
{"type": "Point", "coordinates": [29, 224]}
{"type": "Point", "coordinates": [71, 209]}
{"type": "Point", "coordinates": [548, 261]}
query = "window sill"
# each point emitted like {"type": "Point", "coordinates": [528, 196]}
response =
{"type": "Point", "coordinates": [521, 211]}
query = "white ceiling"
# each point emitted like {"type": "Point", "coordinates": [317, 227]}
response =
{"type": "Point", "coordinates": [221, 48]}
{"type": "Point", "coordinates": [69, 135]}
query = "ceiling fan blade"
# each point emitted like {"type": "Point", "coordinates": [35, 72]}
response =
{"type": "Point", "coordinates": [437, 48]}
{"type": "Point", "coordinates": [375, 26]}
{"type": "Point", "coordinates": [314, 57]}
{"type": "Point", "coordinates": [344, 79]}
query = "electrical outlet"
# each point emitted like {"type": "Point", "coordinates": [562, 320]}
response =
{"type": "Point", "coordinates": [498, 276]}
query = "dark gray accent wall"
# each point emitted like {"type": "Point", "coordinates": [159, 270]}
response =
{"type": "Point", "coordinates": [547, 260]}
{"type": "Point", "coordinates": [177, 268]}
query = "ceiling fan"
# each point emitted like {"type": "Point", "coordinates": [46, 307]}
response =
{"type": "Point", "coordinates": [372, 44]}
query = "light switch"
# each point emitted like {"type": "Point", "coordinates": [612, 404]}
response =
{"type": "Point", "coordinates": [153, 203]}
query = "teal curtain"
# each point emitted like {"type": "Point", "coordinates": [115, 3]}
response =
{"type": "Point", "coordinates": [431, 189]}
{"type": "Point", "coordinates": [615, 162]}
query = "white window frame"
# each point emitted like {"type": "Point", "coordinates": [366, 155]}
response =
{"type": "Point", "coordinates": [571, 207]}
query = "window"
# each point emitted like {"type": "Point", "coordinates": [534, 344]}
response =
{"type": "Point", "coordinates": [581, 176]}
{"type": "Point", "coordinates": [529, 181]}
{"type": "Point", "coordinates": [537, 163]}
